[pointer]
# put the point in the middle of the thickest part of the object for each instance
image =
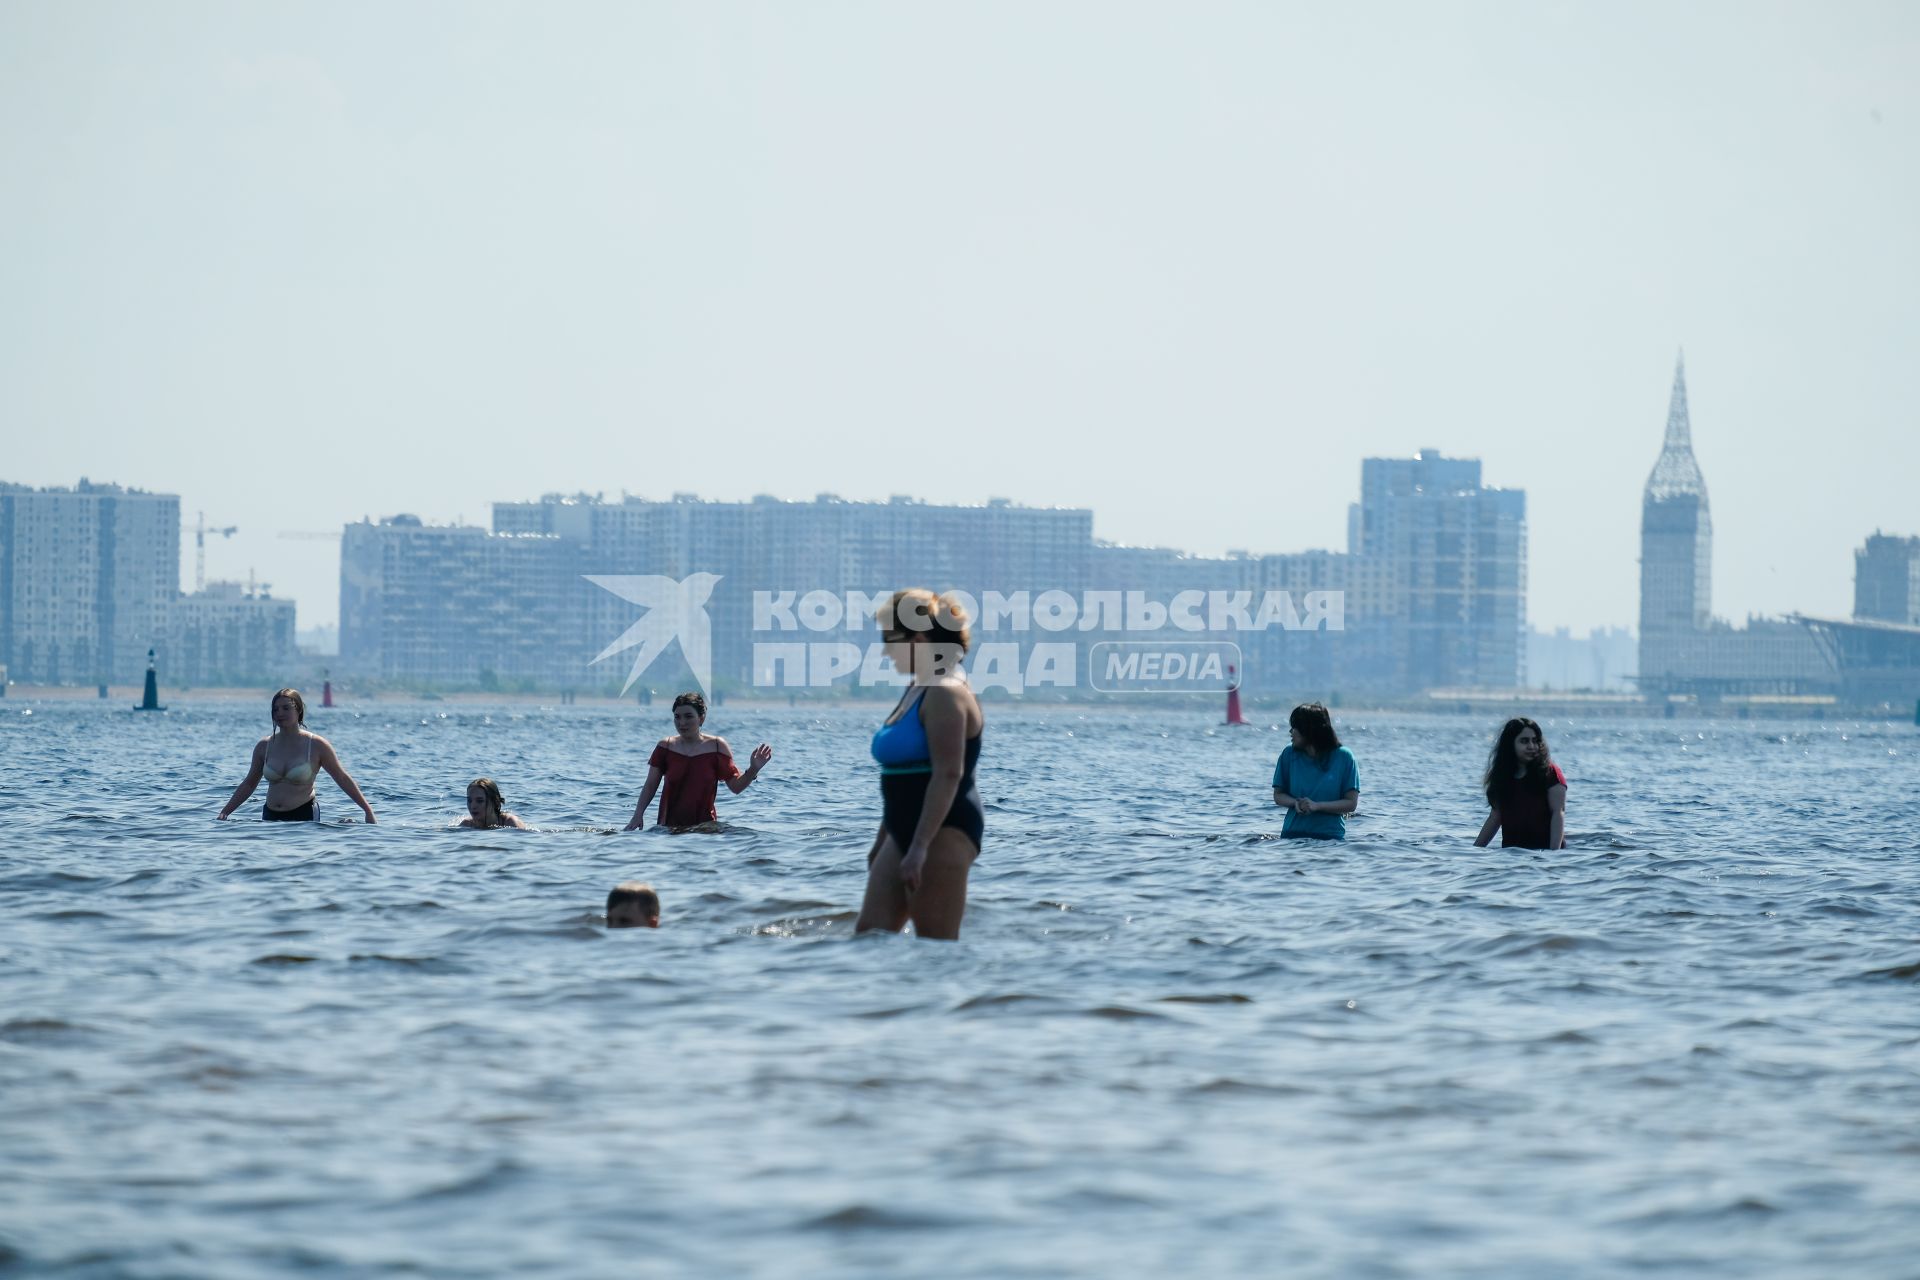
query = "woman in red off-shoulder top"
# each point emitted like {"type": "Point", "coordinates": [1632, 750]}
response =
{"type": "Point", "coordinates": [693, 765]}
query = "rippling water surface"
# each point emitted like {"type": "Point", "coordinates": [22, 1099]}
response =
{"type": "Point", "coordinates": [1169, 1043]}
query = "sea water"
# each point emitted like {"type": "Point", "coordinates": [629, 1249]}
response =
{"type": "Point", "coordinates": [1168, 1043]}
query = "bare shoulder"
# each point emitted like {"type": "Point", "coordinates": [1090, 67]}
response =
{"type": "Point", "coordinates": [720, 744]}
{"type": "Point", "coordinates": [949, 700]}
{"type": "Point", "coordinates": [320, 743]}
{"type": "Point", "coordinates": [962, 695]}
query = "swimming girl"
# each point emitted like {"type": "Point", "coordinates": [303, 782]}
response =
{"type": "Point", "coordinates": [932, 818]}
{"type": "Point", "coordinates": [290, 759]}
{"type": "Point", "coordinates": [1526, 792]}
{"type": "Point", "coordinates": [693, 765]}
{"type": "Point", "coordinates": [1315, 780]}
{"type": "Point", "coordinates": [487, 808]}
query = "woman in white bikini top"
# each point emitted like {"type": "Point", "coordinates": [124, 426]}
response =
{"type": "Point", "coordinates": [290, 760]}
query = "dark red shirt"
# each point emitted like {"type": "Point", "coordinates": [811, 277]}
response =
{"type": "Point", "coordinates": [1525, 820]}
{"type": "Point", "coordinates": [692, 782]}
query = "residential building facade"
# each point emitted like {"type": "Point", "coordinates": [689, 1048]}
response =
{"type": "Point", "coordinates": [88, 575]}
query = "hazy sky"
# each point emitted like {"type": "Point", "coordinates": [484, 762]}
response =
{"type": "Point", "coordinates": [1185, 264]}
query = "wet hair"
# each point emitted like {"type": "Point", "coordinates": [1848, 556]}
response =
{"type": "Point", "coordinates": [694, 700]}
{"type": "Point", "coordinates": [299, 703]}
{"type": "Point", "coordinates": [1315, 724]}
{"type": "Point", "coordinates": [941, 618]}
{"type": "Point", "coordinates": [639, 894]}
{"type": "Point", "coordinates": [1504, 761]}
{"type": "Point", "coordinates": [494, 797]}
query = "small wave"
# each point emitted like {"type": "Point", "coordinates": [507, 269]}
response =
{"type": "Point", "coordinates": [426, 964]}
{"type": "Point", "coordinates": [1903, 972]}
{"type": "Point", "coordinates": [1224, 997]}
{"type": "Point", "coordinates": [499, 1174]}
{"type": "Point", "coordinates": [1228, 1086]}
{"type": "Point", "coordinates": [1525, 944]}
{"type": "Point", "coordinates": [1746, 1208]}
{"type": "Point", "coordinates": [284, 958]}
{"type": "Point", "coordinates": [1121, 1013]}
{"type": "Point", "coordinates": [1097, 1198]}
{"type": "Point", "coordinates": [895, 1012]}
{"type": "Point", "coordinates": [866, 1217]}
{"type": "Point", "coordinates": [1002, 1001]}
{"type": "Point", "coordinates": [39, 1030]}
{"type": "Point", "coordinates": [51, 880]}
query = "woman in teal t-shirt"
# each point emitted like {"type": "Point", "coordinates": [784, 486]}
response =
{"type": "Point", "coordinates": [1316, 780]}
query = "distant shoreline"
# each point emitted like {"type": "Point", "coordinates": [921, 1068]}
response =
{"type": "Point", "coordinates": [1449, 703]}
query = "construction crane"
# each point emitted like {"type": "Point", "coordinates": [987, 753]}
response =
{"type": "Point", "coordinates": [200, 532]}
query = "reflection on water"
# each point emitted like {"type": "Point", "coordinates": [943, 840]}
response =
{"type": "Point", "coordinates": [1168, 1043]}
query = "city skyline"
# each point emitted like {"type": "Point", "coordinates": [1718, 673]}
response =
{"type": "Point", "coordinates": [295, 276]}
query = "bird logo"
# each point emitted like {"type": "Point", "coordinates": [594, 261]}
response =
{"type": "Point", "coordinates": [675, 610]}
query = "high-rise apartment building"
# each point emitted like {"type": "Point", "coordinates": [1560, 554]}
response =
{"type": "Point", "coordinates": [1437, 588]}
{"type": "Point", "coordinates": [455, 604]}
{"type": "Point", "coordinates": [763, 545]}
{"type": "Point", "coordinates": [87, 578]}
{"type": "Point", "coordinates": [1886, 580]}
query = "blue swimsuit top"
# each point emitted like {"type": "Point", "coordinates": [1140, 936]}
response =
{"type": "Point", "coordinates": [901, 745]}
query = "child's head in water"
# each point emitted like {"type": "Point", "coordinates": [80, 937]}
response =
{"type": "Point", "coordinates": [633, 906]}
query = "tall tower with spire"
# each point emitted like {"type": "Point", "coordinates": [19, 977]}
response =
{"type": "Point", "coordinates": [1676, 547]}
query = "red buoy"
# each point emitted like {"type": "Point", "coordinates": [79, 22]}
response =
{"type": "Point", "coordinates": [326, 690]}
{"type": "Point", "coordinates": [1233, 700]}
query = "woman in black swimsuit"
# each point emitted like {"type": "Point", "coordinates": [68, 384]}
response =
{"type": "Point", "coordinates": [932, 819]}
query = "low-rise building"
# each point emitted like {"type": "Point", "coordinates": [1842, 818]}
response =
{"type": "Point", "coordinates": [229, 634]}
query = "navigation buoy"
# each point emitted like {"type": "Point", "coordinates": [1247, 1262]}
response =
{"type": "Point", "coordinates": [1233, 700]}
{"type": "Point", "coordinates": [150, 696]}
{"type": "Point", "coordinates": [326, 689]}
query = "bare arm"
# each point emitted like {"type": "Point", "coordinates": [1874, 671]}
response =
{"type": "Point", "coordinates": [252, 780]}
{"type": "Point", "coordinates": [331, 763]}
{"type": "Point", "coordinates": [1345, 804]}
{"type": "Point", "coordinates": [944, 716]}
{"type": "Point", "coordinates": [755, 763]}
{"type": "Point", "coordinates": [513, 820]}
{"type": "Point", "coordinates": [1487, 829]}
{"type": "Point", "coordinates": [639, 819]}
{"type": "Point", "coordinates": [1557, 806]}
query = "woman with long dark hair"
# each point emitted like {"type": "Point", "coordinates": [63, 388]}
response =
{"type": "Point", "coordinates": [1315, 780]}
{"type": "Point", "coordinates": [1526, 792]}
